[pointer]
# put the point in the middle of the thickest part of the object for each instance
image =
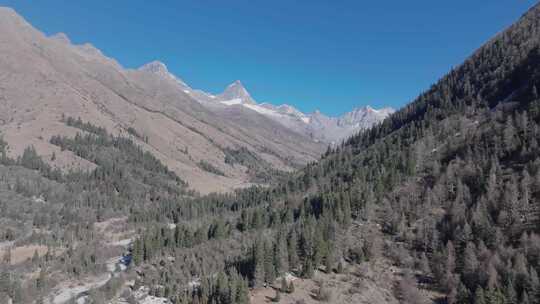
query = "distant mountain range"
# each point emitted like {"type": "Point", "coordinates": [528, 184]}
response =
{"type": "Point", "coordinates": [317, 125]}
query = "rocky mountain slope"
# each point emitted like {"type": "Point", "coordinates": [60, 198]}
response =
{"type": "Point", "coordinates": [191, 131]}
{"type": "Point", "coordinates": [46, 78]}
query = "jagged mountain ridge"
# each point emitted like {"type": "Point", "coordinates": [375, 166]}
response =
{"type": "Point", "coordinates": [314, 125]}
{"type": "Point", "coordinates": [45, 78]}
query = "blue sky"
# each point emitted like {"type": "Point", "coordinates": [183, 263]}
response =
{"type": "Point", "coordinates": [327, 55]}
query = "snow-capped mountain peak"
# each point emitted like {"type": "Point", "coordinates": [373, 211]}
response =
{"type": "Point", "coordinates": [290, 110]}
{"type": "Point", "coordinates": [316, 125]}
{"type": "Point", "coordinates": [236, 93]}
{"type": "Point", "coordinates": [286, 110]}
{"type": "Point", "coordinates": [364, 117]}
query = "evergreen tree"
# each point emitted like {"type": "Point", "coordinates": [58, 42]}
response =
{"type": "Point", "coordinates": [292, 250]}
{"type": "Point", "coordinates": [340, 267]}
{"type": "Point", "coordinates": [510, 293]}
{"type": "Point", "coordinates": [479, 297]}
{"type": "Point", "coordinates": [307, 269]}
{"type": "Point", "coordinates": [495, 296]}
{"type": "Point", "coordinates": [137, 252]}
{"type": "Point", "coordinates": [284, 285]}
{"type": "Point", "coordinates": [269, 266]}
{"type": "Point", "coordinates": [330, 259]}
{"type": "Point", "coordinates": [258, 263]}
{"type": "Point", "coordinates": [470, 265]}
{"type": "Point", "coordinates": [242, 292]}
{"type": "Point", "coordinates": [281, 253]}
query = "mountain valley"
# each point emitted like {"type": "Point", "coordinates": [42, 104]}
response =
{"type": "Point", "coordinates": [128, 186]}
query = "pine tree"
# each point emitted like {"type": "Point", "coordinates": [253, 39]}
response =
{"type": "Point", "coordinates": [232, 288]}
{"type": "Point", "coordinates": [284, 286]}
{"type": "Point", "coordinates": [222, 286]}
{"type": "Point", "coordinates": [244, 221]}
{"type": "Point", "coordinates": [510, 293]}
{"type": "Point", "coordinates": [281, 253]}
{"type": "Point", "coordinates": [463, 294]}
{"type": "Point", "coordinates": [258, 263]}
{"type": "Point", "coordinates": [329, 260]}
{"type": "Point", "coordinates": [319, 249]}
{"type": "Point", "coordinates": [479, 297]}
{"type": "Point", "coordinates": [424, 264]}
{"type": "Point", "coordinates": [495, 296]}
{"type": "Point", "coordinates": [470, 264]}
{"type": "Point", "coordinates": [347, 213]}
{"type": "Point", "coordinates": [269, 266]}
{"type": "Point", "coordinates": [509, 135]}
{"type": "Point", "coordinates": [292, 250]}
{"type": "Point", "coordinates": [137, 252]}
{"type": "Point", "coordinates": [242, 295]}
{"type": "Point", "coordinates": [340, 267]}
{"type": "Point", "coordinates": [307, 269]}
{"type": "Point", "coordinates": [534, 295]}
{"type": "Point", "coordinates": [450, 266]}
{"type": "Point", "coordinates": [525, 298]}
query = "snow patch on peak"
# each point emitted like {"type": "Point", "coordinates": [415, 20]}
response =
{"type": "Point", "coordinates": [287, 109]}
{"type": "Point", "coordinates": [364, 117]}
{"type": "Point", "coordinates": [284, 111]}
{"type": "Point", "coordinates": [316, 125]}
{"type": "Point", "coordinates": [236, 90]}
{"type": "Point", "coordinates": [231, 102]}
{"type": "Point", "coordinates": [268, 106]}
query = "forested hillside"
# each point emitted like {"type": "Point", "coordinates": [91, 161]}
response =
{"type": "Point", "coordinates": [49, 76]}
{"type": "Point", "coordinates": [455, 175]}
{"type": "Point", "coordinates": [453, 179]}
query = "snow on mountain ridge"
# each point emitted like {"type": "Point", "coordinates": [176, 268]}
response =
{"type": "Point", "coordinates": [236, 90]}
{"type": "Point", "coordinates": [287, 110]}
{"type": "Point", "coordinates": [364, 116]}
{"type": "Point", "coordinates": [316, 125]}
